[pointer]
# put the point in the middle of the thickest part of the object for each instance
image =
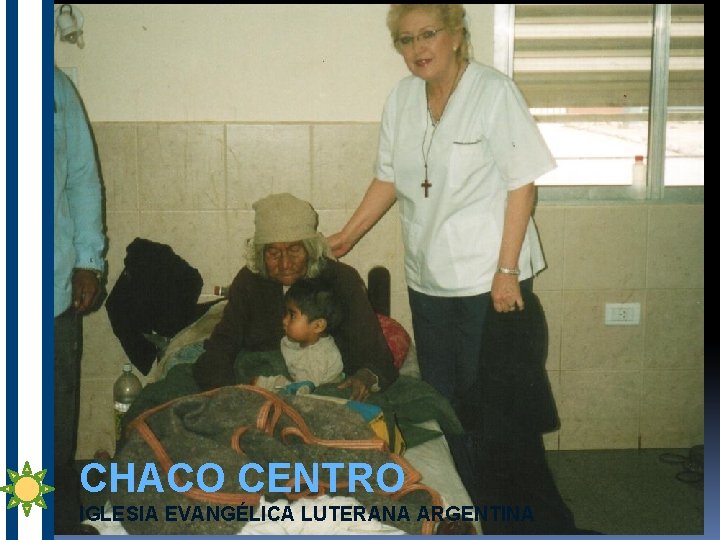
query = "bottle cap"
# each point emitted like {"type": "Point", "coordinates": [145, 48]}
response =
{"type": "Point", "coordinates": [127, 368]}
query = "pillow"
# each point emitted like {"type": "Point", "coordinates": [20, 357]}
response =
{"type": "Point", "coordinates": [397, 338]}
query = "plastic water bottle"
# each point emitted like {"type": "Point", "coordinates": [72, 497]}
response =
{"type": "Point", "coordinates": [125, 390]}
{"type": "Point", "coordinates": [639, 174]}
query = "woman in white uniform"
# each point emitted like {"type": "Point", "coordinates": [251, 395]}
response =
{"type": "Point", "coordinates": [460, 152]}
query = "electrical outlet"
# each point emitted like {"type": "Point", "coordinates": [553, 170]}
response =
{"type": "Point", "coordinates": [622, 314]}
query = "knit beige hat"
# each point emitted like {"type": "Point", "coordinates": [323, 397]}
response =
{"type": "Point", "coordinates": [282, 217]}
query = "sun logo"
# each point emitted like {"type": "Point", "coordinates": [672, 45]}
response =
{"type": "Point", "coordinates": [27, 489]}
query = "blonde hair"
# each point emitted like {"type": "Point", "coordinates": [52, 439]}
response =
{"type": "Point", "coordinates": [318, 253]}
{"type": "Point", "coordinates": [451, 17]}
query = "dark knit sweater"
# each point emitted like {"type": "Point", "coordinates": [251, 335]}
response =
{"type": "Point", "coordinates": [252, 321]}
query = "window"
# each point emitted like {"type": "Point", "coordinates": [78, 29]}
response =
{"type": "Point", "coordinates": [595, 77]}
{"type": "Point", "coordinates": [685, 135]}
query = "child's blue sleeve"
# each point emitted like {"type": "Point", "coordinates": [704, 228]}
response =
{"type": "Point", "coordinates": [300, 387]}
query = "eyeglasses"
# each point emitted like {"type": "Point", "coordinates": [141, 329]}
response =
{"type": "Point", "coordinates": [405, 42]}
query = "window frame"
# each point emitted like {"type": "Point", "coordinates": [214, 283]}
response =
{"type": "Point", "coordinates": [503, 54]}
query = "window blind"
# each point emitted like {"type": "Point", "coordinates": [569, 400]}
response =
{"type": "Point", "coordinates": [598, 56]}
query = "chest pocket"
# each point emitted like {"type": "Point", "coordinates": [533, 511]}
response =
{"type": "Point", "coordinates": [468, 158]}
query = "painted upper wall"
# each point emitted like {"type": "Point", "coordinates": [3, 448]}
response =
{"type": "Point", "coordinates": [265, 63]}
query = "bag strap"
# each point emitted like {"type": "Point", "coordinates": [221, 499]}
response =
{"type": "Point", "coordinates": [269, 414]}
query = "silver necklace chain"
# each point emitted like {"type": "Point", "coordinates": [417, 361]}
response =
{"type": "Point", "coordinates": [426, 184]}
{"type": "Point", "coordinates": [425, 156]}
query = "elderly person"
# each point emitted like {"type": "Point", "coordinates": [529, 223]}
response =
{"type": "Point", "coordinates": [287, 247]}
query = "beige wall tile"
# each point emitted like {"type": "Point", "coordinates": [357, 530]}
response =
{"type": "Point", "coordinates": [241, 228]}
{"type": "Point", "coordinates": [198, 237]}
{"type": "Point", "coordinates": [399, 283]}
{"type": "Point", "coordinates": [675, 336]}
{"type": "Point", "coordinates": [397, 263]}
{"type": "Point", "coordinates": [672, 409]}
{"type": "Point", "coordinates": [117, 152]}
{"type": "Point", "coordinates": [122, 228]}
{"type": "Point", "coordinates": [551, 226]}
{"type": "Point", "coordinates": [552, 439]}
{"type": "Point", "coordinates": [96, 429]}
{"type": "Point", "coordinates": [676, 247]}
{"type": "Point", "coordinates": [553, 306]}
{"type": "Point", "coordinates": [400, 310]}
{"type": "Point", "coordinates": [599, 409]}
{"type": "Point", "coordinates": [332, 221]}
{"type": "Point", "coordinates": [267, 158]}
{"type": "Point", "coordinates": [103, 354]}
{"type": "Point", "coordinates": [343, 164]}
{"type": "Point", "coordinates": [376, 249]}
{"type": "Point", "coordinates": [588, 344]}
{"type": "Point", "coordinates": [605, 247]}
{"type": "Point", "coordinates": [379, 247]}
{"type": "Point", "coordinates": [182, 166]}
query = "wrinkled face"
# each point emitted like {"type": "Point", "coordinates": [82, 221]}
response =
{"type": "Point", "coordinates": [286, 262]}
{"type": "Point", "coordinates": [426, 46]}
{"type": "Point", "coordinates": [296, 325]}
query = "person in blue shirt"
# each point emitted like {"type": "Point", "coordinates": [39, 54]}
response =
{"type": "Point", "coordinates": [79, 244]}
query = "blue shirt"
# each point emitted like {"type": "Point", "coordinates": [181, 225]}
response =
{"type": "Point", "coordinates": [79, 238]}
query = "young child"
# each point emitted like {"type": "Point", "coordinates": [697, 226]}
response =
{"type": "Point", "coordinates": [309, 351]}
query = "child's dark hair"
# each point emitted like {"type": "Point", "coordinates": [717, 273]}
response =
{"type": "Point", "coordinates": [316, 300]}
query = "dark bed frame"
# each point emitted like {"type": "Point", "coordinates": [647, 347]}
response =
{"type": "Point", "coordinates": [378, 284]}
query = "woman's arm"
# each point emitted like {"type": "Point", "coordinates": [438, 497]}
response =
{"type": "Point", "coordinates": [505, 290]}
{"type": "Point", "coordinates": [379, 197]}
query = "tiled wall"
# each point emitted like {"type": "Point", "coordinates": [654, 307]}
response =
{"type": "Point", "coordinates": [192, 186]}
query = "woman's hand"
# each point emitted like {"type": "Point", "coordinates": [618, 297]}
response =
{"type": "Point", "coordinates": [505, 293]}
{"type": "Point", "coordinates": [339, 245]}
{"type": "Point", "coordinates": [379, 197]}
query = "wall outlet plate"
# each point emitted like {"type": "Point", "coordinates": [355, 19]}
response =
{"type": "Point", "coordinates": [622, 314]}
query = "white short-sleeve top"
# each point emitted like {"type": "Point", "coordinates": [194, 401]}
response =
{"type": "Point", "coordinates": [485, 145]}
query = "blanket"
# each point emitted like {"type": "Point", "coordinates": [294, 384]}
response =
{"type": "Point", "coordinates": [240, 425]}
{"type": "Point", "coordinates": [409, 400]}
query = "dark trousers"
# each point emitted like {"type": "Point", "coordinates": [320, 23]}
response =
{"type": "Point", "coordinates": [68, 351]}
{"type": "Point", "coordinates": [504, 467]}
{"type": "Point", "coordinates": [511, 471]}
{"type": "Point", "coordinates": [448, 334]}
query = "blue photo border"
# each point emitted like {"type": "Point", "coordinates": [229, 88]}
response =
{"type": "Point", "coordinates": [48, 334]}
{"type": "Point", "coordinates": [712, 400]}
{"type": "Point", "coordinates": [11, 249]}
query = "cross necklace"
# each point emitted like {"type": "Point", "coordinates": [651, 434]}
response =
{"type": "Point", "coordinates": [426, 184]}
